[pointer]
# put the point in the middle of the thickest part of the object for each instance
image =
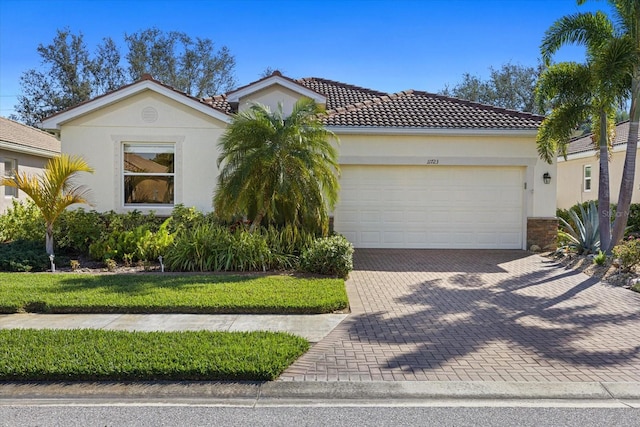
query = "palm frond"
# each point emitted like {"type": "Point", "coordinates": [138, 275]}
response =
{"type": "Point", "coordinates": [281, 168]}
{"type": "Point", "coordinates": [588, 29]}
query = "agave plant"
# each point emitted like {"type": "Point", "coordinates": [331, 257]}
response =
{"type": "Point", "coordinates": [585, 237]}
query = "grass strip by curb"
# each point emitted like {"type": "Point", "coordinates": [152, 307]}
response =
{"type": "Point", "coordinates": [168, 293]}
{"type": "Point", "coordinates": [97, 355]}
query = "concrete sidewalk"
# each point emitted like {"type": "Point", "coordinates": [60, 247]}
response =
{"type": "Point", "coordinates": [313, 327]}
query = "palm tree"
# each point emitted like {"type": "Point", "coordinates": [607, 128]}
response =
{"type": "Point", "coordinates": [627, 15]}
{"type": "Point", "coordinates": [581, 92]}
{"type": "Point", "coordinates": [281, 170]}
{"type": "Point", "coordinates": [53, 191]}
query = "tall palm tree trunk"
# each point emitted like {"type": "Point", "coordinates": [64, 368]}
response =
{"type": "Point", "coordinates": [604, 215]}
{"type": "Point", "coordinates": [628, 173]}
{"type": "Point", "coordinates": [49, 239]}
{"type": "Point", "coordinates": [255, 224]}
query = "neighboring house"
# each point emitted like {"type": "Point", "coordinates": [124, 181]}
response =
{"type": "Point", "coordinates": [578, 175]}
{"type": "Point", "coordinates": [418, 170]}
{"type": "Point", "coordinates": [24, 149]}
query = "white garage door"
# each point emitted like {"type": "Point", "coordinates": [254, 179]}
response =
{"type": "Point", "coordinates": [431, 207]}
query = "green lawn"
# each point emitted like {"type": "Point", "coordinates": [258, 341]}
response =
{"type": "Point", "coordinates": [97, 355]}
{"type": "Point", "coordinates": [169, 293]}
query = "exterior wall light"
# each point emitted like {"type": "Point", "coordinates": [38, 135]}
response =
{"type": "Point", "coordinates": [546, 178]}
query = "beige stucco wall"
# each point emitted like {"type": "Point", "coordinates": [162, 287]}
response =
{"type": "Point", "coordinates": [27, 163]}
{"type": "Point", "coordinates": [570, 178]}
{"type": "Point", "coordinates": [99, 136]}
{"type": "Point", "coordinates": [459, 150]}
{"type": "Point", "coordinates": [271, 96]}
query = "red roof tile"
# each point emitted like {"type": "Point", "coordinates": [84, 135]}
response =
{"type": "Point", "coordinates": [584, 143]}
{"type": "Point", "coordinates": [349, 105]}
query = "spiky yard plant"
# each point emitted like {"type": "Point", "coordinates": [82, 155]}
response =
{"type": "Point", "coordinates": [585, 236]}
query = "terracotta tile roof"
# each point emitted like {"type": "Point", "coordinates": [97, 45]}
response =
{"type": "Point", "coordinates": [349, 105]}
{"type": "Point", "coordinates": [25, 136]}
{"type": "Point", "coordinates": [339, 94]}
{"type": "Point", "coordinates": [414, 109]}
{"type": "Point", "coordinates": [219, 102]}
{"type": "Point", "coordinates": [584, 143]}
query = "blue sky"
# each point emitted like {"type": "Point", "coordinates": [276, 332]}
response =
{"type": "Point", "coordinates": [381, 44]}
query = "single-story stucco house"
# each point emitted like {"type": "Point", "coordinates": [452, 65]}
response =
{"type": "Point", "coordinates": [24, 149]}
{"type": "Point", "coordinates": [418, 170]}
{"type": "Point", "coordinates": [578, 175]}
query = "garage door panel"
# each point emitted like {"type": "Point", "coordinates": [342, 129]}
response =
{"type": "Point", "coordinates": [390, 217]}
{"type": "Point", "coordinates": [370, 237]}
{"type": "Point", "coordinates": [394, 237]}
{"type": "Point", "coordinates": [370, 216]}
{"type": "Point", "coordinates": [431, 207]}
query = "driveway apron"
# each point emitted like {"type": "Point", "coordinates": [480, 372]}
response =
{"type": "Point", "coordinates": [476, 315]}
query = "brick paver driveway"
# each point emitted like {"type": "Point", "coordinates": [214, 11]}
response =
{"type": "Point", "coordinates": [451, 315]}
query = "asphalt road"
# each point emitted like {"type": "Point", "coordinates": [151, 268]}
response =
{"type": "Point", "coordinates": [187, 415]}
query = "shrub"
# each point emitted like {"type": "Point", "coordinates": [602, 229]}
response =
{"type": "Point", "coordinates": [151, 245]}
{"type": "Point", "coordinates": [584, 234]}
{"type": "Point", "coordinates": [248, 252]}
{"type": "Point", "coordinates": [288, 239]}
{"type": "Point", "coordinates": [628, 252]}
{"type": "Point", "coordinates": [286, 244]}
{"type": "Point", "coordinates": [138, 244]}
{"type": "Point", "coordinates": [22, 221]}
{"type": "Point", "coordinates": [633, 224]}
{"type": "Point", "coordinates": [114, 246]}
{"type": "Point", "coordinates": [200, 248]}
{"type": "Point", "coordinates": [115, 222]}
{"type": "Point", "coordinates": [23, 255]}
{"type": "Point", "coordinates": [210, 247]}
{"type": "Point", "coordinates": [184, 218]}
{"type": "Point", "coordinates": [76, 229]}
{"type": "Point", "coordinates": [328, 255]}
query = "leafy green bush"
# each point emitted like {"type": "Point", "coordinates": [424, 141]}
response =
{"type": "Point", "coordinates": [22, 221]}
{"type": "Point", "coordinates": [76, 229]}
{"type": "Point", "coordinates": [132, 245]}
{"type": "Point", "coordinates": [184, 218]}
{"type": "Point", "coordinates": [328, 255]}
{"type": "Point", "coordinates": [628, 252]}
{"type": "Point", "coordinates": [633, 223]}
{"type": "Point", "coordinates": [23, 255]}
{"type": "Point", "coordinates": [151, 245]}
{"type": "Point", "coordinates": [130, 221]}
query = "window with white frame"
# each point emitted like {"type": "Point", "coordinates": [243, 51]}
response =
{"type": "Point", "coordinates": [10, 171]}
{"type": "Point", "coordinates": [586, 175]}
{"type": "Point", "coordinates": [148, 173]}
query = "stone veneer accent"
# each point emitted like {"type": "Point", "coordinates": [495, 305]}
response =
{"type": "Point", "coordinates": [542, 232]}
